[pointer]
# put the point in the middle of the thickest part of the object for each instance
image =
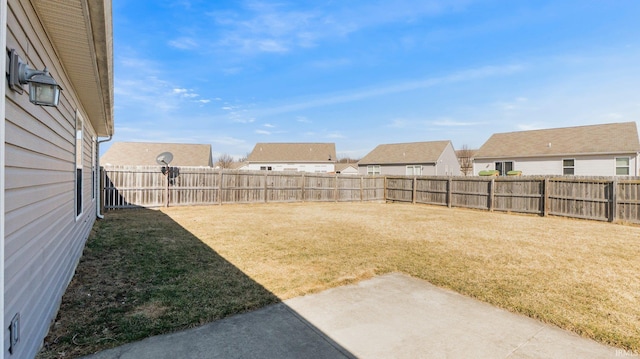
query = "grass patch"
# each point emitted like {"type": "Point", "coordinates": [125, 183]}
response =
{"type": "Point", "coordinates": [149, 272]}
{"type": "Point", "coordinates": [141, 274]}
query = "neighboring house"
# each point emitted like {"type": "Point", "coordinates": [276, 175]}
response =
{"type": "Point", "coordinates": [48, 156]}
{"type": "Point", "coordinates": [347, 168]}
{"type": "Point", "coordinates": [436, 158]}
{"type": "Point", "coordinates": [302, 157]}
{"type": "Point", "coordinates": [238, 166]}
{"type": "Point", "coordinates": [596, 150]}
{"type": "Point", "coordinates": [145, 154]}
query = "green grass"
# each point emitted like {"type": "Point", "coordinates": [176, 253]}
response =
{"type": "Point", "coordinates": [150, 272]}
{"type": "Point", "coordinates": [141, 274]}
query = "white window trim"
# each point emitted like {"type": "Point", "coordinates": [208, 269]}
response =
{"type": "Point", "coordinates": [615, 166]}
{"type": "Point", "coordinates": [503, 172]}
{"type": "Point", "coordinates": [371, 170]}
{"type": "Point", "coordinates": [79, 165]}
{"type": "Point", "coordinates": [94, 168]}
{"type": "Point", "coordinates": [413, 170]}
{"type": "Point", "coordinates": [574, 166]}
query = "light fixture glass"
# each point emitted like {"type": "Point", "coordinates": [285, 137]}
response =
{"type": "Point", "coordinates": [43, 89]}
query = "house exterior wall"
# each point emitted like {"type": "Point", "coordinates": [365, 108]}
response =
{"type": "Point", "coordinates": [296, 167]}
{"type": "Point", "coordinates": [43, 237]}
{"type": "Point", "coordinates": [428, 169]}
{"type": "Point", "coordinates": [448, 164]}
{"type": "Point", "coordinates": [598, 165]}
{"type": "Point", "coordinates": [349, 171]}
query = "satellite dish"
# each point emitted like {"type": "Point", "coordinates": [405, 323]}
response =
{"type": "Point", "coordinates": [164, 158]}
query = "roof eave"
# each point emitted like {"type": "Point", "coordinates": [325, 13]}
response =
{"type": "Point", "coordinates": [94, 51]}
{"type": "Point", "coordinates": [558, 155]}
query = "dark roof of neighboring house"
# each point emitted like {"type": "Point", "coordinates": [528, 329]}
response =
{"type": "Point", "coordinates": [594, 139]}
{"type": "Point", "coordinates": [145, 154]}
{"type": "Point", "coordinates": [293, 152]}
{"type": "Point", "coordinates": [401, 153]}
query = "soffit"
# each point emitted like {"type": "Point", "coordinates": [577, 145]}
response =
{"type": "Point", "coordinates": [81, 33]}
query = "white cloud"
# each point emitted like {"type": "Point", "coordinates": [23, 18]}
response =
{"type": "Point", "coordinates": [281, 27]}
{"type": "Point", "coordinates": [184, 43]}
{"type": "Point", "coordinates": [354, 95]}
{"type": "Point", "coordinates": [262, 132]}
{"type": "Point", "coordinates": [447, 122]}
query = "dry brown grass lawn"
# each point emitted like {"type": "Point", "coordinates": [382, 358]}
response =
{"type": "Point", "coordinates": [151, 272]}
{"type": "Point", "coordinates": [579, 275]}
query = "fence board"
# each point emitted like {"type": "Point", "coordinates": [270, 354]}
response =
{"type": "Point", "coordinates": [595, 198]}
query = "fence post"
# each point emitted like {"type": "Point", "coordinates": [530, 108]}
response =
{"type": "Point", "coordinates": [384, 191]}
{"type": "Point", "coordinates": [614, 200]}
{"type": "Point", "coordinates": [492, 194]}
{"type": "Point", "coordinates": [545, 198]}
{"type": "Point", "coordinates": [265, 186]}
{"type": "Point", "coordinates": [166, 193]}
{"type": "Point", "coordinates": [414, 190]}
{"type": "Point", "coordinates": [102, 183]}
{"type": "Point", "coordinates": [303, 188]}
{"type": "Point", "coordinates": [220, 189]}
{"type": "Point", "coordinates": [361, 188]}
{"type": "Point", "coordinates": [335, 189]}
{"type": "Point", "coordinates": [449, 192]}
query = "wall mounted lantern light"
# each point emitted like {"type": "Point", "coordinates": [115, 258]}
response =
{"type": "Point", "coordinates": [43, 89]}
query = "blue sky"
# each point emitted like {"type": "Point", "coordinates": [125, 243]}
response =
{"type": "Point", "coordinates": [364, 72]}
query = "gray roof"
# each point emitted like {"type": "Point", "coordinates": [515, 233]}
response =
{"type": "Point", "coordinates": [144, 154]}
{"type": "Point", "coordinates": [293, 152]}
{"type": "Point", "coordinates": [594, 139]}
{"type": "Point", "coordinates": [405, 153]}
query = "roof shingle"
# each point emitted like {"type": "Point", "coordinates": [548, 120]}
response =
{"type": "Point", "coordinates": [401, 153]}
{"type": "Point", "coordinates": [592, 139]}
{"type": "Point", "coordinates": [293, 152]}
{"type": "Point", "coordinates": [144, 154]}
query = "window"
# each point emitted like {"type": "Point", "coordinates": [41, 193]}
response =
{"type": "Point", "coordinates": [94, 170]}
{"type": "Point", "coordinates": [622, 166]}
{"type": "Point", "coordinates": [414, 170]}
{"type": "Point", "coordinates": [373, 169]}
{"type": "Point", "coordinates": [265, 168]}
{"type": "Point", "coordinates": [569, 167]}
{"type": "Point", "coordinates": [79, 130]}
{"type": "Point", "coordinates": [504, 167]}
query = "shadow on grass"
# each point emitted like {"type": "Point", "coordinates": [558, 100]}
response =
{"type": "Point", "coordinates": [142, 274]}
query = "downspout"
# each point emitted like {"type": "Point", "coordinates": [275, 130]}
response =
{"type": "Point", "coordinates": [98, 204]}
{"type": "Point", "coordinates": [3, 101]}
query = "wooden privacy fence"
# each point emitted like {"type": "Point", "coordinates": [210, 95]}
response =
{"type": "Point", "coordinates": [596, 198]}
{"type": "Point", "coordinates": [152, 186]}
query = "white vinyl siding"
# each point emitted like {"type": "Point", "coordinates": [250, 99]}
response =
{"type": "Point", "coordinates": [597, 165]}
{"type": "Point", "coordinates": [291, 167]}
{"type": "Point", "coordinates": [43, 240]}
